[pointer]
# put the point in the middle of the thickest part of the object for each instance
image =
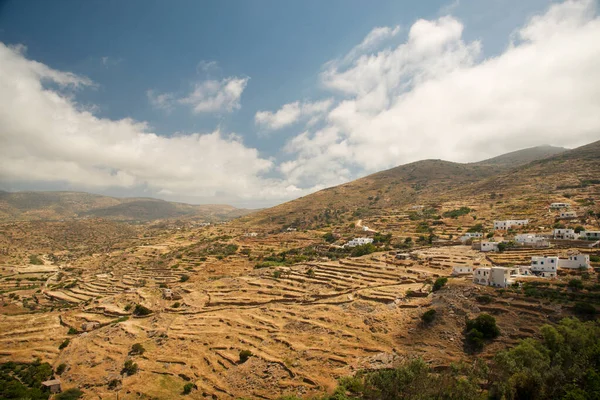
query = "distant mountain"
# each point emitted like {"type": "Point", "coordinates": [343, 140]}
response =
{"type": "Point", "coordinates": [522, 157]}
{"type": "Point", "coordinates": [63, 205]}
{"type": "Point", "coordinates": [430, 182]}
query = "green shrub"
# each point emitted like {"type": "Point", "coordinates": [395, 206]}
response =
{"type": "Point", "coordinates": [584, 309]}
{"type": "Point", "coordinates": [72, 331]}
{"type": "Point", "coordinates": [484, 299]}
{"type": "Point", "coordinates": [329, 237]}
{"type": "Point", "coordinates": [187, 388]}
{"type": "Point", "coordinates": [594, 258]}
{"type": "Point", "coordinates": [310, 272]}
{"type": "Point", "coordinates": [575, 284]}
{"type": "Point", "coordinates": [35, 260]}
{"type": "Point", "coordinates": [128, 307]}
{"type": "Point", "coordinates": [277, 274]}
{"type": "Point", "coordinates": [129, 368]}
{"type": "Point", "coordinates": [486, 324]}
{"type": "Point", "coordinates": [457, 213]}
{"type": "Point", "coordinates": [176, 304]}
{"type": "Point", "coordinates": [140, 310]}
{"type": "Point", "coordinates": [363, 249]}
{"type": "Point", "coordinates": [475, 339]}
{"type": "Point", "coordinates": [114, 383]}
{"type": "Point", "coordinates": [184, 278]}
{"type": "Point", "coordinates": [439, 283]}
{"type": "Point", "coordinates": [61, 368]}
{"type": "Point", "coordinates": [137, 349]}
{"type": "Point", "coordinates": [64, 344]}
{"type": "Point", "coordinates": [69, 394]}
{"type": "Point", "coordinates": [428, 316]}
{"type": "Point", "coordinates": [245, 355]}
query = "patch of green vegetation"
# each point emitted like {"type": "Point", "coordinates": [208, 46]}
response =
{"type": "Point", "coordinates": [329, 237]}
{"type": "Point", "coordinates": [141, 310]}
{"type": "Point", "coordinates": [69, 394]}
{"type": "Point", "coordinates": [476, 228]}
{"type": "Point", "coordinates": [245, 355]}
{"type": "Point", "coordinates": [61, 368]}
{"type": "Point", "coordinates": [484, 299]}
{"type": "Point", "coordinates": [129, 368]}
{"type": "Point", "coordinates": [137, 349]}
{"type": "Point", "coordinates": [188, 387]}
{"type": "Point", "coordinates": [439, 283]}
{"type": "Point", "coordinates": [64, 344]}
{"type": "Point", "coordinates": [23, 381]}
{"type": "Point", "coordinates": [457, 213]}
{"type": "Point", "coordinates": [35, 260]}
{"type": "Point", "coordinates": [428, 316]}
{"type": "Point", "coordinates": [267, 264]}
{"type": "Point", "coordinates": [363, 249]}
{"type": "Point", "coordinates": [184, 278]}
{"type": "Point", "coordinates": [480, 329]}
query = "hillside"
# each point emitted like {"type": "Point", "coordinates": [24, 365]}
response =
{"type": "Point", "coordinates": [522, 157]}
{"type": "Point", "coordinates": [62, 205]}
{"type": "Point", "coordinates": [427, 182]}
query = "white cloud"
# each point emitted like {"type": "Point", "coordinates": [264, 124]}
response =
{"type": "Point", "coordinates": [46, 137]}
{"type": "Point", "coordinates": [209, 96]}
{"type": "Point", "coordinates": [216, 96]}
{"type": "Point", "coordinates": [433, 96]}
{"type": "Point", "coordinates": [291, 113]}
{"type": "Point", "coordinates": [161, 101]}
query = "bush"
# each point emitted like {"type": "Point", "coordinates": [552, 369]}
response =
{"type": "Point", "coordinates": [310, 272]}
{"type": "Point", "coordinates": [187, 388]}
{"type": "Point", "coordinates": [128, 307]}
{"type": "Point", "coordinates": [484, 299]}
{"type": "Point", "coordinates": [486, 324]}
{"type": "Point", "coordinates": [184, 278]}
{"type": "Point", "coordinates": [72, 331]}
{"type": "Point", "coordinates": [363, 249]}
{"type": "Point", "coordinates": [69, 394]}
{"type": "Point", "coordinates": [245, 355]}
{"type": "Point", "coordinates": [60, 369]}
{"type": "Point", "coordinates": [457, 213]}
{"type": "Point", "coordinates": [114, 383]}
{"type": "Point", "coordinates": [140, 310]}
{"type": "Point", "coordinates": [35, 260]}
{"type": "Point", "coordinates": [176, 304]}
{"type": "Point", "coordinates": [64, 344]}
{"type": "Point", "coordinates": [129, 368]}
{"type": "Point", "coordinates": [594, 258]}
{"type": "Point", "coordinates": [584, 309]}
{"type": "Point", "coordinates": [575, 284]}
{"type": "Point", "coordinates": [428, 316]}
{"type": "Point", "coordinates": [579, 229]}
{"type": "Point", "coordinates": [439, 283]}
{"type": "Point", "coordinates": [475, 339]}
{"type": "Point", "coordinates": [137, 349]}
{"type": "Point", "coordinates": [329, 237]}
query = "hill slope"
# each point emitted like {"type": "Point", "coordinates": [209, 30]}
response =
{"type": "Point", "coordinates": [433, 182]}
{"type": "Point", "coordinates": [61, 205]}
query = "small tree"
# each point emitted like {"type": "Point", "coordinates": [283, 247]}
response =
{"type": "Point", "coordinates": [61, 368]}
{"type": "Point", "coordinates": [439, 283]}
{"type": "Point", "coordinates": [184, 278]}
{"type": "Point", "coordinates": [129, 368]}
{"type": "Point", "coordinates": [69, 394]}
{"type": "Point", "coordinates": [187, 388]}
{"type": "Point", "coordinates": [575, 284]}
{"type": "Point", "coordinates": [140, 310]}
{"type": "Point", "coordinates": [329, 237]}
{"type": "Point", "coordinates": [137, 349]}
{"type": "Point", "coordinates": [64, 344]}
{"type": "Point", "coordinates": [245, 355]}
{"type": "Point", "coordinates": [428, 316]}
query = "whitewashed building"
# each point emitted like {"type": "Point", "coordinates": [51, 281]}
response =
{"type": "Point", "coordinates": [462, 270]}
{"type": "Point", "coordinates": [557, 206]}
{"type": "Point", "coordinates": [359, 242]}
{"type": "Point", "coordinates": [544, 266]}
{"type": "Point", "coordinates": [489, 246]}
{"type": "Point", "coordinates": [530, 239]}
{"type": "Point", "coordinates": [568, 214]}
{"type": "Point", "coordinates": [502, 276]}
{"type": "Point", "coordinates": [568, 234]}
{"type": "Point", "coordinates": [590, 235]}
{"type": "Point", "coordinates": [510, 223]}
{"type": "Point", "coordinates": [575, 261]}
{"type": "Point", "coordinates": [470, 236]}
{"type": "Point", "coordinates": [481, 276]}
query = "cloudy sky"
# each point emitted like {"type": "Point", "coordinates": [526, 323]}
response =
{"type": "Point", "coordinates": [253, 103]}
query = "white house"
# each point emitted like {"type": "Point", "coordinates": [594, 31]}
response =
{"type": "Point", "coordinates": [481, 276]}
{"type": "Point", "coordinates": [470, 236]}
{"type": "Point", "coordinates": [575, 261]}
{"type": "Point", "coordinates": [489, 246]}
{"type": "Point", "coordinates": [568, 234]}
{"type": "Point", "coordinates": [510, 223]}
{"type": "Point", "coordinates": [544, 266]}
{"type": "Point", "coordinates": [559, 205]}
{"type": "Point", "coordinates": [358, 242]}
{"type": "Point", "coordinates": [568, 214]}
{"type": "Point", "coordinates": [530, 239]}
{"type": "Point", "coordinates": [501, 276]}
{"type": "Point", "coordinates": [590, 235]}
{"type": "Point", "coordinates": [462, 270]}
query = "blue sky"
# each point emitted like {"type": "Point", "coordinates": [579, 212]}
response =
{"type": "Point", "coordinates": [155, 62]}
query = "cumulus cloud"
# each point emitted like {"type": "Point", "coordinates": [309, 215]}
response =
{"type": "Point", "coordinates": [209, 96]}
{"type": "Point", "coordinates": [435, 96]}
{"type": "Point", "coordinates": [291, 113]}
{"type": "Point", "coordinates": [46, 137]}
{"type": "Point", "coordinates": [216, 96]}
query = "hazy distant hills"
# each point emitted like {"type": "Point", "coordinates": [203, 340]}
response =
{"type": "Point", "coordinates": [62, 205]}
{"type": "Point", "coordinates": [434, 181]}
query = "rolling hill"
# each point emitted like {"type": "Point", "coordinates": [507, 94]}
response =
{"type": "Point", "coordinates": [432, 182]}
{"type": "Point", "coordinates": [64, 205]}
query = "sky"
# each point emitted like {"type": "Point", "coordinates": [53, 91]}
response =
{"type": "Point", "coordinates": [257, 102]}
